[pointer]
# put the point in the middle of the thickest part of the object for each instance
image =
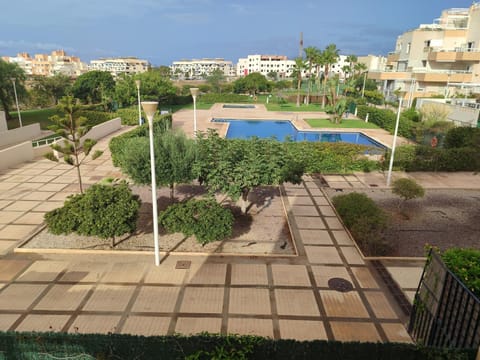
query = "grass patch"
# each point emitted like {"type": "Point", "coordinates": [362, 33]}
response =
{"type": "Point", "coordinates": [293, 107]}
{"type": "Point", "coordinates": [29, 117]}
{"type": "Point", "coordinates": [345, 124]}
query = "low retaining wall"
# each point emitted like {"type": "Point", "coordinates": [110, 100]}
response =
{"type": "Point", "coordinates": [24, 133]}
{"type": "Point", "coordinates": [24, 151]}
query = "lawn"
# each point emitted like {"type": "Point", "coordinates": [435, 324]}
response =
{"type": "Point", "coordinates": [31, 117]}
{"type": "Point", "coordinates": [345, 124]}
{"type": "Point", "coordinates": [293, 107]}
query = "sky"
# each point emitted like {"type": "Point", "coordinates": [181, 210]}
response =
{"type": "Point", "coordinates": [162, 31]}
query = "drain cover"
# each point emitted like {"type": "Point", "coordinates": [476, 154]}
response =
{"type": "Point", "coordinates": [183, 264]}
{"type": "Point", "coordinates": [340, 284]}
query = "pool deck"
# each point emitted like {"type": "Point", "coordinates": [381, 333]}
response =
{"type": "Point", "coordinates": [183, 119]}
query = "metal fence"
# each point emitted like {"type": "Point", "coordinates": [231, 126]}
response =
{"type": "Point", "coordinates": [445, 312]}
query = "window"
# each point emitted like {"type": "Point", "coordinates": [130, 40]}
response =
{"type": "Point", "coordinates": [408, 48]}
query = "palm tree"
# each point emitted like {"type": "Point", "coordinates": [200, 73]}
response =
{"type": "Point", "coordinates": [360, 68]}
{"type": "Point", "coordinates": [311, 54]}
{"type": "Point", "coordinates": [297, 73]}
{"type": "Point", "coordinates": [352, 60]}
{"type": "Point", "coordinates": [330, 56]}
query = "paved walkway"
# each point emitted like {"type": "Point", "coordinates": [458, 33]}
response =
{"type": "Point", "coordinates": [271, 296]}
{"type": "Point", "coordinates": [279, 297]}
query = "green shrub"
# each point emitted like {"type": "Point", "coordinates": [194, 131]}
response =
{"type": "Point", "coordinates": [212, 98]}
{"type": "Point", "coordinates": [386, 119]}
{"type": "Point", "coordinates": [465, 263]}
{"type": "Point", "coordinates": [116, 145]}
{"type": "Point", "coordinates": [104, 211]}
{"type": "Point", "coordinates": [411, 114]}
{"type": "Point", "coordinates": [407, 189]}
{"type": "Point", "coordinates": [206, 219]}
{"type": "Point", "coordinates": [365, 220]}
{"type": "Point", "coordinates": [97, 154]}
{"type": "Point", "coordinates": [460, 137]}
{"type": "Point", "coordinates": [129, 116]}
{"type": "Point", "coordinates": [326, 157]}
{"type": "Point", "coordinates": [96, 117]}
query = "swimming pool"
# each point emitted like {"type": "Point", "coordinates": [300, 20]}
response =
{"type": "Point", "coordinates": [281, 129]}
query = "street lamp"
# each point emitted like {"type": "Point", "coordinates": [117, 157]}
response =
{"type": "Point", "coordinates": [389, 176]}
{"type": "Point", "coordinates": [194, 92]}
{"type": "Point", "coordinates": [150, 107]}
{"type": "Point", "coordinates": [16, 101]}
{"type": "Point", "coordinates": [138, 82]}
{"type": "Point", "coordinates": [364, 79]}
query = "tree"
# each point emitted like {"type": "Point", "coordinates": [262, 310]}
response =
{"type": "Point", "coordinates": [94, 87]}
{"type": "Point", "coordinates": [272, 75]}
{"type": "Point", "coordinates": [106, 211]}
{"type": "Point", "coordinates": [407, 189]}
{"type": "Point", "coordinates": [297, 73]}
{"type": "Point", "coordinates": [7, 95]}
{"type": "Point", "coordinates": [352, 60]}
{"type": "Point", "coordinates": [234, 167]}
{"type": "Point", "coordinates": [174, 157]}
{"type": "Point", "coordinates": [71, 126]}
{"type": "Point", "coordinates": [156, 87]}
{"type": "Point", "coordinates": [52, 87]}
{"type": "Point", "coordinates": [252, 83]}
{"type": "Point", "coordinates": [125, 93]}
{"type": "Point", "coordinates": [312, 55]}
{"type": "Point", "coordinates": [215, 79]}
{"type": "Point", "coordinates": [339, 104]}
{"type": "Point", "coordinates": [329, 57]}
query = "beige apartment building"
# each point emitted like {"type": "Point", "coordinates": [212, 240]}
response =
{"type": "Point", "coordinates": [57, 62]}
{"type": "Point", "coordinates": [123, 65]}
{"type": "Point", "coordinates": [200, 68]}
{"type": "Point", "coordinates": [442, 58]}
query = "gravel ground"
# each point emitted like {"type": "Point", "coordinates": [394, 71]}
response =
{"type": "Point", "coordinates": [264, 230]}
{"type": "Point", "coordinates": [443, 218]}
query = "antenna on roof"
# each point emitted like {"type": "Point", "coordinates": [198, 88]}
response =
{"type": "Point", "coordinates": [300, 52]}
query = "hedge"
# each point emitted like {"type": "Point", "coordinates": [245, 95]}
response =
{"type": "Point", "coordinates": [118, 346]}
{"type": "Point", "coordinates": [129, 116]}
{"type": "Point", "coordinates": [323, 157]}
{"type": "Point", "coordinates": [386, 119]}
{"type": "Point", "coordinates": [212, 98]}
{"type": "Point", "coordinates": [426, 158]}
{"type": "Point", "coordinates": [96, 117]}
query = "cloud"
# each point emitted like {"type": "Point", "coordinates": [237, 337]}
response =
{"type": "Point", "coordinates": [41, 46]}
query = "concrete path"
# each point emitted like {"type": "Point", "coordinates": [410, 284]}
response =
{"type": "Point", "coordinates": [270, 296]}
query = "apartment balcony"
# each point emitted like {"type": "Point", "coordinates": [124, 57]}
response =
{"type": "Point", "coordinates": [455, 55]}
{"type": "Point", "coordinates": [389, 75]}
{"type": "Point", "coordinates": [393, 57]}
{"type": "Point", "coordinates": [443, 76]}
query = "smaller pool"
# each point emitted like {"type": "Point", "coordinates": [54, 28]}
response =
{"type": "Point", "coordinates": [238, 106]}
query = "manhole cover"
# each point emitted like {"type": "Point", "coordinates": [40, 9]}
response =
{"type": "Point", "coordinates": [183, 264]}
{"type": "Point", "coordinates": [340, 284]}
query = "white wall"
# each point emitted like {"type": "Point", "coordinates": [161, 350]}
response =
{"type": "Point", "coordinates": [18, 135]}
{"type": "Point", "coordinates": [101, 130]}
{"type": "Point", "coordinates": [16, 154]}
{"type": "Point", "coordinates": [3, 122]}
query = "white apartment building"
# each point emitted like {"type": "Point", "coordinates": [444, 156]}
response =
{"type": "Point", "coordinates": [58, 62]}
{"type": "Point", "coordinates": [442, 58]}
{"type": "Point", "coordinates": [265, 64]}
{"type": "Point", "coordinates": [117, 66]}
{"type": "Point", "coordinates": [201, 68]}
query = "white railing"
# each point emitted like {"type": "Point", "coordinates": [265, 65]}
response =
{"type": "Point", "coordinates": [45, 141]}
{"type": "Point", "coordinates": [457, 49]}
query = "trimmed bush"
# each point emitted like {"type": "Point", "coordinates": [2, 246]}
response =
{"type": "Point", "coordinates": [465, 263]}
{"type": "Point", "coordinates": [407, 189]}
{"type": "Point", "coordinates": [96, 117]}
{"type": "Point", "coordinates": [104, 211]}
{"type": "Point", "coordinates": [461, 137]}
{"type": "Point", "coordinates": [206, 219]}
{"type": "Point", "coordinates": [386, 119]}
{"type": "Point", "coordinates": [129, 116]}
{"type": "Point", "coordinates": [365, 220]}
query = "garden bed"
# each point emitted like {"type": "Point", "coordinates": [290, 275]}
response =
{"type": "Point", "coordinates": [263, 231]}
{"type": "Point", "coordinates": [443, 218]}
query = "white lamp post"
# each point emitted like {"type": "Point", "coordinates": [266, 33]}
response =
{"type": "Point", "coordinates": [194, 92]}
{"type": "Point", "coordinates": [138, 82]}
{"type": "Point", "coordinates": [150, 107]}
{"type": "Point", "coordinates": [16, 101]}
{"type": "Point", "coordinates": [389, 176]}
{"type": "Point", "coordinates": [364, 80]}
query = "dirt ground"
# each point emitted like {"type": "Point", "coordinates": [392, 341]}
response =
{"type": "Point", "coordinates": [443, 218]}
{"type": "Point", "coordinates": [264, 230]}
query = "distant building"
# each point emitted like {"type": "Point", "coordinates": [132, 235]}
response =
{"type": "Point", "coordinates": [123, 65]}
{"type": "Point", "coordinates": [265, 64]}
{"type": "Point", "coordinates": [442, 58]}
{"type": "Point", "coordinates": [201, 68]}
{"type": "Point", "coordinates": [58, 62]}
{"type": "Point", "coordinates": [373, 62]}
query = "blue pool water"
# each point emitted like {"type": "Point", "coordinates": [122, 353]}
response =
{"type": "Point", "coordinates": [281, 129]}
